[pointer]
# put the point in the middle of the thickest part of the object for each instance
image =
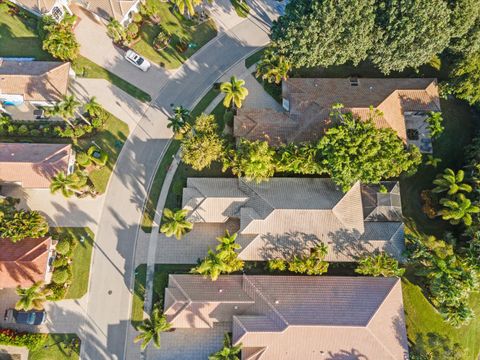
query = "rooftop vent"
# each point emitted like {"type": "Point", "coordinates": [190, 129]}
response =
{"type": "Point", "coordinates": [353, 81]}
{"type": "Point", "coordinates": [220, 290]}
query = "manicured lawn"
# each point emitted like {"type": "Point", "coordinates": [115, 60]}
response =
{"type": "Point", "coordinates": [154, 194]}
{"type": "Point", "coordinates": [110, 140]}
{"type": "Point", "coordinates": [424, 323]}
{"type": "Point", "coordinates": [88, 69]}
{"type": "Point", "coordinates": [18, 35]}
{"type": "Point", "coordinates": [138, 294]}
{"type": "Point", "coordinates": [182, 31]}
{"type": "Point", "coordinates": [57, 347]}
{"type": "Point", "coordinates": [81, 257]}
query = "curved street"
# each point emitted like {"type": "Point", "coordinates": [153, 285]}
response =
{"type": "Point", "coordinates": [104, 329]}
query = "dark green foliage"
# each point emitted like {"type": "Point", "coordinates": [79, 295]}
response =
{"type": "Point", "coordinates": [379, 265]}
{"type": "Point", "coordinates": [465, 79]}
{"type": "Point", "coordinates": [323, 33]}
{"type": "Point", "coordinates": [59, 39]}
{"type": "Point", "coordinates": [21, 224]}
{"type": "Point", "coordinates": [298, 159]}
{"type": "Point", "coordinates": [83, 159]}
{"type": "Point", "coordinates": [63, 247]}
{"type": "Point", "coordinates": [57, 291]}
{"type": "Point", "coordinates": [61, 275]}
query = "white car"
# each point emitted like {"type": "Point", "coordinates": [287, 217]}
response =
{"type": "Point", "coordinates": [137, 60]}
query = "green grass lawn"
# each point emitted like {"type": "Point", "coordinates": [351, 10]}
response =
{"type": "Point", "coordinates": [181, 29]}
{"type": "Point", "coordinates": [424, 323]}
{"type": "Point", "coordinates": [57, 347]}
{"type": "Point", "coordinates": [81, 257]}
{"type": "Point", "coordinates": [110, 140]}
{"type": "Point", "coordinates": [154, 194]}
{"type": "Point", "coordinates": [88, 69]}
{"type": "Point", "coordinates": [18, 35]}
{"type": "Point", "coordinates": [254, 58]}
{"type": "Point", "coordinates": [138, 294]}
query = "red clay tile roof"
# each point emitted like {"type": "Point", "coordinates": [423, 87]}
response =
{"type": "Point", "coordinates": [33, 165]}
{"type": "Point", "coordinates": [311, 100]}
{"type": "Point", "coordinates": [35, 80]}
{"type": "Point", "coordinates": [23, 263]}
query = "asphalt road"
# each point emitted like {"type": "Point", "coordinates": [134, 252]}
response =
{"type": "Point", "coordinates": [105, 327]}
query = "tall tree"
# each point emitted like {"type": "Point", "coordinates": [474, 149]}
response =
{"type": "Point", "coordinates": [465, 78]}
{"type": "Point", "coordinates": [228, 352]}
{"type": "Point", "coordinates": [298, 159]}
{"type": "Point", "coordinates": [255, 160]}
{"type": "Point", "coordinates": [451, 182]}
{"type": "Point", "coordinates": [188, 5]}
{"type": "Point", "coordinates": [235, 92]}
{"type": "Point", "coordinates": [175, 223]}
{"type": "Point", "coordinates": [324, 33]}
{"type": "Point", "coordinates": [59, 39]}
{"type": "Point", "coordinates": [357, 150]}
{"type": "Point", "coordinates": [22, 224]}
{"type": "Point", "coordinates": [178, 122]}
{"type": "Point", "coordinates": [92, 107]}
{"type": "Point", "coordinates": [202, 145]}
{"type": "Point", "coordinates": [410, 33]}
{"type": "Point", "coordinates": [151, 328]}
{"type": "Point", "coordinates": [212, 266]}
{"type": "Point", "coordinates": [272, 67]}
{"type": "Point", "coordinates": [465, 24]}
{"type": "Point", "coordinates": [457, 210]}
{"type": "Point", "coordinates": [31, 298]}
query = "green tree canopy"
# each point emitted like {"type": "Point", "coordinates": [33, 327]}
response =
{"type": "Point", "coordinates": [175, 223]}
{"type": "Point", "coordinates": [450, 182]}
{"type": "Point", "coordinates": [357, 150]}
{"type": "Point", "coordinates": [235, 92]}
{"type": "Point", "coordinates": [410, 33]}
{"type": "Point", "coordinates": [151, 328]}
{"type": "Point", "coordinates": [465, 82]}
{"type": "Point", "coordinates": [228, 352]}
{"type": "Point", "coordinates": [31, 298]}
{"type": "Point", "coordinates": [465, 24]}
{"type": "Point", "coordinates": [202, 145]}
{"type": "Point", "coordinates": [59, 39]}
{"type": "Point", "coordinates": [21, 224]}
{"type": "Point", "coordinates": [324, 33]}
{"type": "Point", "coordinates": [255, 160]}
{"type": "Point", "coordinates": [273, 68]}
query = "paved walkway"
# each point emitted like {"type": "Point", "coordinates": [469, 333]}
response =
{"type": "Point", "coordinates": [114, 100]}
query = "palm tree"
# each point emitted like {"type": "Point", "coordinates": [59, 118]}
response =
{"type": "Point", "coordinates": [229, 352]}
{"type": "Point", "coordinates": [92, 107]}
{"type": "Point", "coordinates": [68, 184]}
{"type": "Point", "coordinates": [31, 298]}
{"type": "Point", "coordinates": [213, 266]}
{"type": "Point", "coordinates": [116, 31]}
{"type": "Point", "coordinates": [235, 92]}
{"type": "Point", "coordinates": [273, 68]}
{"type": "Point", "coordinates": [451, 182]}
{"type": "Point", "coordinates": [174, 223]}
{"type": "Point", "coordinates": [433, 161]}
{"type": "Point", "coordinates": [151, 328]}
{"type": "Point", "coordinates": [458, 210]}
{"type": "Point", "coordinates": [188, 5]}
{"type": "Point", "coordinates": [66, 109]}
{"type": "Point", "coordinates": [179, 121]}
{"type": "Point", "coordinates": [227, 243]}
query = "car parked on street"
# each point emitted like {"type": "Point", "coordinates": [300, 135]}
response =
{"type": "Point", "coordinates": [33, 317]}
{"type": "Point", "coordinates": [137, 60]}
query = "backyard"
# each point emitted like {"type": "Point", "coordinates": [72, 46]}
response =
{"type": "Point", "coordinates": [186, 37]}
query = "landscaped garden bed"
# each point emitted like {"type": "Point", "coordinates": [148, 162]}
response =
{"type": "Point", "coordinates": [182, 36]}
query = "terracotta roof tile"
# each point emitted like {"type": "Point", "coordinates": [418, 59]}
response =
{"type": "Point", "coordinates": [24, 262]}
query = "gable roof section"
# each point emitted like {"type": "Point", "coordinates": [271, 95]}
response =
{"type": "Point", "coordinates": [307, 315]}
{"type": "Point", "coordinates": [289, 216]}
{"type": "Point", "coordinates": [34, 80]}
{"type": "Point", "coordinates": [24, 262]}
{"type": "Point", "coordinates": [311, 100]}
{"type": "Point", "coordinates": [36, 6]}
{"type": "Point", "coordinates": [33, 165]}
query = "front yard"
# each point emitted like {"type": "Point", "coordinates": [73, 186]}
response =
{"type": "Point", "coordinates": [57, 347]}
{"type": "Point", "coordinates": [186, 37]}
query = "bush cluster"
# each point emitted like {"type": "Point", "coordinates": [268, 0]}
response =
{"type": "Point", "coordinates": [62, 273]}
{"type": "Point", "coordinates": [30, 340]}
{"type": "Point", "coordinates": [31, 128]}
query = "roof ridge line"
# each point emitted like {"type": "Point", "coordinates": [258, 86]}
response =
{"type": "Point", "coordinates": [269, 304]}
{"type": "Point", "coordinates": [256, 193]}
{"type": "Point", "coordinates": [388, 294]}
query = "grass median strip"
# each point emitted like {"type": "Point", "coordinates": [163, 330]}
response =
{"type": "Point", "coordinates": [85, 68]}
{"type": "Point", "coordinates": [156, 188]}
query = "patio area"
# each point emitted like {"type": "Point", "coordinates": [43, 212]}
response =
{"type": "Point", "coordinates": [417, 131]}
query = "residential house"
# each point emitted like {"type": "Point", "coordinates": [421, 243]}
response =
{"type": "Point", "coordinates": [26, 86]}
{"type": "Point", "coordinates": [120, 10]}
{"type": "Point", "coordinates": [25, 262]}
{"type": "Point", "coordinates": [403, 105]}
{"type": "Point", "coordinates": [288, 216]}
{"type": "Point", "coordinates": [34, 165]}
{"type": "Point", "coordinates": [295, 317]}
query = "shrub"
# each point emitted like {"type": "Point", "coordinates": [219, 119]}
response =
{"type": "Point", "coordinates": [83, 159]}
{"type": "Point", "coordinates": [276, 265]}
{"type": "Point", "coordinates": [137, 17]}
{"type": "Point", "coordinates": [22, 130]}
{"type": "Point", "coordinates": [61, 275]}
{"type": "Point", "coordinates": [60, 261]}
{"type": "Point", "coordinates": [58, 291]}
{"type": "Point", "coordinates": [162, 40]}
{"type": "Point", "coordinates": [35, 132]}
{"type": "Point", "coordinates": [30, 340]}
{"type": "Point", "coordinates": [63, 246]}
{"type": "Point", "coordinates": [97, 155]}
{"type": "Point", "coordinates": [132, 30]}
